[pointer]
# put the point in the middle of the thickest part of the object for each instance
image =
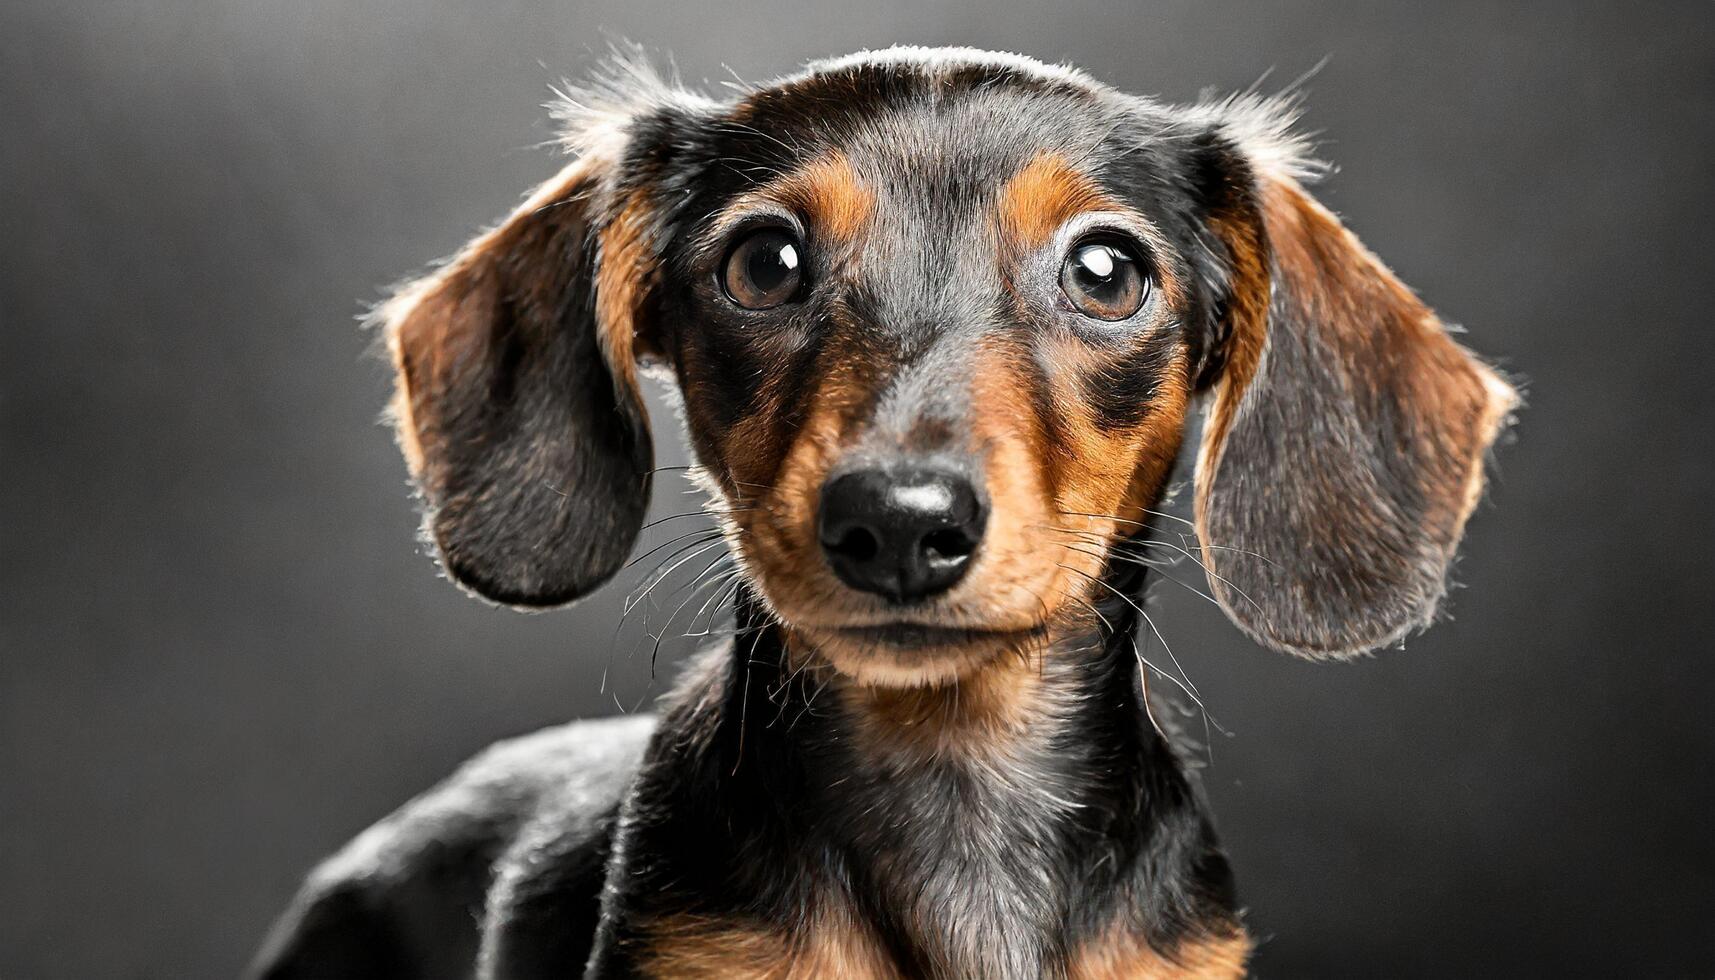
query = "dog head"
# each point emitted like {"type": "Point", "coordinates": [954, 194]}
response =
{"type": "Point", "coordinates": [937, 319]}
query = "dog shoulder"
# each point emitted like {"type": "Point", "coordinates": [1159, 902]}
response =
{"type": "Point", "coordinates": [415, 888]}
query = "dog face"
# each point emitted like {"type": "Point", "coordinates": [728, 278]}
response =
{"type": "Point", "coordinates": [937, 319]}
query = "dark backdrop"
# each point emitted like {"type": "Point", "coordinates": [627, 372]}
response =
{"type": "Point", "coordinates": [224, 652]}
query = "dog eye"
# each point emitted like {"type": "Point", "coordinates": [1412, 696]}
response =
{"type": "Point", "coordinates": [1103, 280]}
{"type": "Point", "coordinates": [764, 270]}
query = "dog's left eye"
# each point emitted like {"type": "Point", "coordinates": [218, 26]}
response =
{"type": "Point", "coordinates": [1104, 280]}
{"type": "Point", "coordinates": [764, 270]}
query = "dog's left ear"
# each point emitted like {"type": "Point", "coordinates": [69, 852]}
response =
{"type": "Point", "coordinates": [1345, 440]}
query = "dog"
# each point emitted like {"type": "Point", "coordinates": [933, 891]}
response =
{"type": "Point", "coordinates": [937, 321]}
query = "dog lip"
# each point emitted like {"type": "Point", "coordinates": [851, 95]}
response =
{"type": "Point", "coordinates": [906, 635]}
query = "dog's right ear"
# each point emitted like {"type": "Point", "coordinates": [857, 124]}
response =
{"type": "Point", "coordinates": [521, 424]}
{"type": "Point", "coordinates": [517, 405]}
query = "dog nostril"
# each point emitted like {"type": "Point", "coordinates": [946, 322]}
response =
{"type": "Point", "coordinates": [948, 544]}
{"type": "Point", "coordinates": [858, 544]}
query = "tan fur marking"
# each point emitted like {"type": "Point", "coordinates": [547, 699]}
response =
{"type": "Point", "coordinates": [777, 513]}
{"type": "Point", "coordinates": [837, 199]}
{"type": "Point", "coordinates": [831, 945]}
{"type": "Point", "coordinates": [1092, 471]}
{"type": "Point", "coordinates": [1502, 400]}
{"type": "Point", "coordinates": [1006, 433]}
{"type": "Point", "coordinates": [400, 415]}
{"type": "Point", "coordinates": [828, 191]}
{"type": "Point", "coordinates": [622, 276]}
{"type": "Point", "coordinates": [1045, 195]}
{"type": "Point", "coordinates": [1123, 956]}
{"type": "Point", "coordinates": [979, 715]}
{"type": "Point", "coordinates": [757, 452]}
{"type": "Point", "coordinates": [1248, 310]}
{"type": "Point", "coordinates": [1114, 472]}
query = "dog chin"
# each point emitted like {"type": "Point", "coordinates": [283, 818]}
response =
{"type": "Point", "coordinates": [904, 655]}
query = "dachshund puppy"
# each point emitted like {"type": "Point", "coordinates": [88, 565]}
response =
{"type": "Point", "coordinates": [937, 319]}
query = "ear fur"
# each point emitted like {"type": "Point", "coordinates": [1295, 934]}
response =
{"type": "Point", "coordinates": [1345, 443]}
{"type": "Point", "coordinates": [521, 424]}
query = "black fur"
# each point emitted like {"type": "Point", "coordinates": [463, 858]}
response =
{"type": "Point", "coordinates": [747, 797]}
{"type": "Point", "coordinates": [503, 863]}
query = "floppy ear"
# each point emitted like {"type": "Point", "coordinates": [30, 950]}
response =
{"type": "Point", "coordinates": [517, 404]}
{"type": "Point", "coordinates": [1345, 443]}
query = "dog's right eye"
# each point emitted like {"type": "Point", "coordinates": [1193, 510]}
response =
{"type": "Point", "coordinates": [764, 269]}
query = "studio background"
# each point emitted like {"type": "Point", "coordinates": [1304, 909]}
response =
{"type": "Point", "coordinates": [222, 651]}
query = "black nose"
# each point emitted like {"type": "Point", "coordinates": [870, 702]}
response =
{"type": "Point", "coordinates": [905, 534]}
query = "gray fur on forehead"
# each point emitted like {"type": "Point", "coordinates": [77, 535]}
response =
{"type": "Point", "coordinates": [932, 60]}
{"type": "Point", "coordinates": [595, 113]}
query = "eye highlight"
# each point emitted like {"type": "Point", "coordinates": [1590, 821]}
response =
{"type": "Point", "coordinates": [1103, 279]}
{"type": "Point", "coordinates": [764, 270]}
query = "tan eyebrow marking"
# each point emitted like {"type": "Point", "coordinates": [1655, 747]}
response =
{"type": "Point", "coordinates": [1044, 195]}
{"type": "Point", "coordinates": [826, 190]}
{"type": "Point", "coordinates": [833, 194]}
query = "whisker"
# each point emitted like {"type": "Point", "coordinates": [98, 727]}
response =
{"type": "Point", "coordinates": [1154, 566]}
{"type": "Point", "coordinates": [810, 702]}
{"type": "Point", "coordinates": [1128, 600]}
{"type": "Point", "coordinates": [1119, 549]}
{"type": "Point", "coordinates": [1164, 645]}
{"type": "Point", "coordinates": [743, 712]}
{"type": "Point", "coordinates": [1119, 544]}
{"type": "Point", "coordinates": [1121, 520]}
{"type": "Point", "coordinates": [703, 532]}
{"type": "Point", "coordinates": [631, 602]}
{"type": "Point", "coordinates": [647, 583]}
{"type": "Point", "coordinates": [655, 653]}
{"type": "Point", "coordinates": [704, 538]}
{"type": "Point", "coordinates": [1045, 640]}
{"type": "Point", "coordinates": [701, 512]}
{"type": "Point", "coordinates": [1144, 666]}
{"type": "Point", "coordinates": [783, 692]}
{"type": "Point", "coordinates": [732, 580]}
{"type": "Point", "coordinates": [1217, 576]}
{"type": "Point", "coordinates": [1171, 517]}
{"type": "Point", "coordinates": [1239, 551]}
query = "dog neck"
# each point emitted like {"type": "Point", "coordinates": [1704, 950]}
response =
{"type": "Point", "coordinates": [985, 828]}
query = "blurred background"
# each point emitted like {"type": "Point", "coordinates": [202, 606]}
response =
{"type": "Point", "coordinates": [223, 652]}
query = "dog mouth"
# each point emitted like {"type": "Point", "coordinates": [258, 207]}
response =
{"type": "Point", "coordinates": [913, 654]}
{"type": "Point", "coordinates": [906, 637]}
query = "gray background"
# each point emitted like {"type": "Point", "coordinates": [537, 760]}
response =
{"type": "Point", "coordinates": [223, 652]}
